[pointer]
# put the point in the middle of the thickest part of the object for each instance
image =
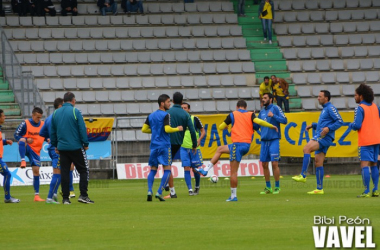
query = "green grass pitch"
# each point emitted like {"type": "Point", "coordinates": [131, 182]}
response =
{"type": "Point", "coordinates": [121, 218]}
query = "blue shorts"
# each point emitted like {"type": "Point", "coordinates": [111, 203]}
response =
{"type": "Point", "coordinates": [34, 159]}
{"type": "Point", "coordinates": [368, 153]}
{"type": "Point", "coordinates": [270, 150]}
{"type": "Point", "coordinates": [161, 156]}
{"type": "Point", "coordinates": [324, 144]}
{"type": "Point", "coordinates": [189, 159]}
{"type": "Point", "coordinates": [3, 167]}
{"type": "Point", "coordinates": [238, 150]}
{"type": "Point", "coordinates": [54, 157]}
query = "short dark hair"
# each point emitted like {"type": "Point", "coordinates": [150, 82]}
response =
{"type": "Point", "coordinates": [241, 103]}
{"type": "Point", "coordinates": [188, 105]}
{"type": "Point", "coordinates": [1, 111]}
{"type": "Point", "coordinates": [162, 98]}
{"type": "Point", "coordinates": [68, 97]}
{"type": "Point", "coordinates": [37, 110]}
{"type": "Point", "coordinates": [269, 95]}
{"type": "Point", "coordinates": [326, 93]}
{"type": "Point", "coordinates": [177, 98]}
{"type": "Point", "coordinates": [365, 91]}
{"type": "Point", "coordinates": [267, 77]}
{"type": "Point", "coordinates": [57, 102]}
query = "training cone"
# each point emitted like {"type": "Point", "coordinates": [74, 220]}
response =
{"type": "Point", "coordinates": [327, 176]}
{"type": "Point", "coordinates": [252, 177]}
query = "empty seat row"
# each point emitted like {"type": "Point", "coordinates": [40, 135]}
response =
{"type": "Point", "coordinates": [331, 52]}
{"type": "Point", "coordinates": [105, 45]}
{"type": "Point", "coordinates": [123, 32]}
{"type": "Point", "coordinates": [338, 102]}
{"type": "Point", "coordinates": [140, 82]}
{"type": "Point", "coordinates": [325, 4]}
{"type": "Point", "coordinates": [141, 69]}
{"type": "Point", "coordinates": [169, 19]}
{"type": "Point", "coordinates": [135, 57]}
{"type": "Point", "coordinates": [332, 77]}
{"type": "Point", "coordinates": [335, 27]}
{"type": "Point", "coordinates": [147, 108]}
{"type": "Point", "coordinates": [330, 15]}
{"type": "Point", "coordinates": [152, 95]}
{"type": "Point", "coordinates": [334, 65]}
{"type": "Point", "coordinates": [335, 90]}
{"type": "Point", "coordinates": [132, 135]}
{"type": "Point", "coordinates": [328, 40]}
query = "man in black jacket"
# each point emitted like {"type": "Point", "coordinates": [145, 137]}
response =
{"type": "Point", "coordinates": [45, 7]}
{"type": "Point", "coordinates": [107, 6]}
{"type": "Point", "coordinates": [69, 6]}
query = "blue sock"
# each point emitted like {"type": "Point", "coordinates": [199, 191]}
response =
{"type": "Point", "coordinates": [7, 184]}
{"type": "Point", "coordinates": [366, 179]}
{"type": "Point", "coordinates": [267, 183]}
{"type": "Point", "coordinates": [164, 180]}
{"type": "Point", "coordinates": [71, 181]}
{"type": "Point", "coordinates": [53, 184]}
{"type": "Point", "coordinates": [151, 176]}
{"type": "Point", "coordinates": [36, 184]}
{"type": "Point", "coordinates": [305, 164]}
{"type": "Point", "coordinates": [319, 172]}
{"type": "Point", "coordinates": [375, 177]}
{"type": "Point", "coordinates": [188, 179]}
{"type": "Point", "coordinates": [277, 184]}
{"type": "Point", "coordinates": [197, 179]}
{"type": "Point", "coordinates": [58, 183]}
{"type": "Point", "coordinates": [22, 149]}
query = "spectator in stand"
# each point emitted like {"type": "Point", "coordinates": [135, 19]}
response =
{"type": "Point", "coordinates": [2, 12]}
{"type": "Point", "coordinates": [107, 6]}
{"type": "Point", "coordinates": [281, 92]}
{"type": "Point", "coordinates": [69, 6]}
{"type": "Point", "coordinates": [265, 87]}
{"type": "Point", "coordinates": [241, 6]}
{"type": "Point", "coordinates": [266, 14]}
{"type": "Point", "coordinates": [134, 6]}
{"type": "Point", "coordinates": [45, 7]}
{"type": "Point", "coordinates": [32, 6]}
{"type": "Point", "coordinates": [20, 7]}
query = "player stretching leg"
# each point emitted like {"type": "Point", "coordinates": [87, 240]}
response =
{"type": "Point", "coordinates": [270, 141]}
{"type": "Point", "coordinates": [367, 122]}
{"type": "Point", "coordinates": [56, 179]}
{"type": "Point", "coordinates": [158, 124]}
{"type": "Point", "coordinates": [3, 166]}
{"type": "Point", "coordinates": [329, 121]}
{"type": "Point", "coordinates": [192, 159]}
{"type": "Point", "coordinates": [30, 145]}
{"type": "Point", "coordinates": [241, 135]}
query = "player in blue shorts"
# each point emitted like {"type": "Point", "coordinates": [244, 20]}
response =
{"type": "Point", "coordinates": [56, 178]}
{"type": "Point", "coordinates": [367, 123]}
{"type": "Point", "coordinates": [30, 144]}
{"type": "Point", "coordinates": [158, 124]}
{"type": "Point", "coordinates": [4, 171]}
{"type": "Point", "coordinates": [329, 121]}
{"type": "Point", "coordinates": [241, 135]}
{"type": "Point", "coordinates": [192, 159]}
{"type": "Point", "coordinates": [270, 141]}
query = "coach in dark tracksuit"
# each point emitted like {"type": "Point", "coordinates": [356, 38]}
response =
{"type": "Point", "coordinates": [68, 134]}
{"type": "Point", "coordinates": [179, 117]}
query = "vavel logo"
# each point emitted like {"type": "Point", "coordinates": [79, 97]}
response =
{"type": "Point", "coordinates": [351, 232]}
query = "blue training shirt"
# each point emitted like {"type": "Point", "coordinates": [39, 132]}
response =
{"type": "Point", "coordinates": [45, 130]}
{"type": "Point", "coordinates": [278, 117]}
{"type": "Point", "coordinates": [157, 122]}
{"type": "Point", "coordinates": [359, 116]}
{"type": "Point", "coordinates": [330, 118]}
{"type": "Point", "coordinates": [21, 130]}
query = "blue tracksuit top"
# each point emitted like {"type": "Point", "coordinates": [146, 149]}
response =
{"type": "Point", "coordinates": [330, 118]}
{"type": "Point", "coordinates": [278, 117]}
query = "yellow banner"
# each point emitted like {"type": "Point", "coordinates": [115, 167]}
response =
{"type": "Point", "coordinates": [293, 136]}
{"type": "Point", "coordinates": [98, 129]}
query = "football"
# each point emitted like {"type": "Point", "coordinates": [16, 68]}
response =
{"type": "Point", "coordinates": [214, 179]}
